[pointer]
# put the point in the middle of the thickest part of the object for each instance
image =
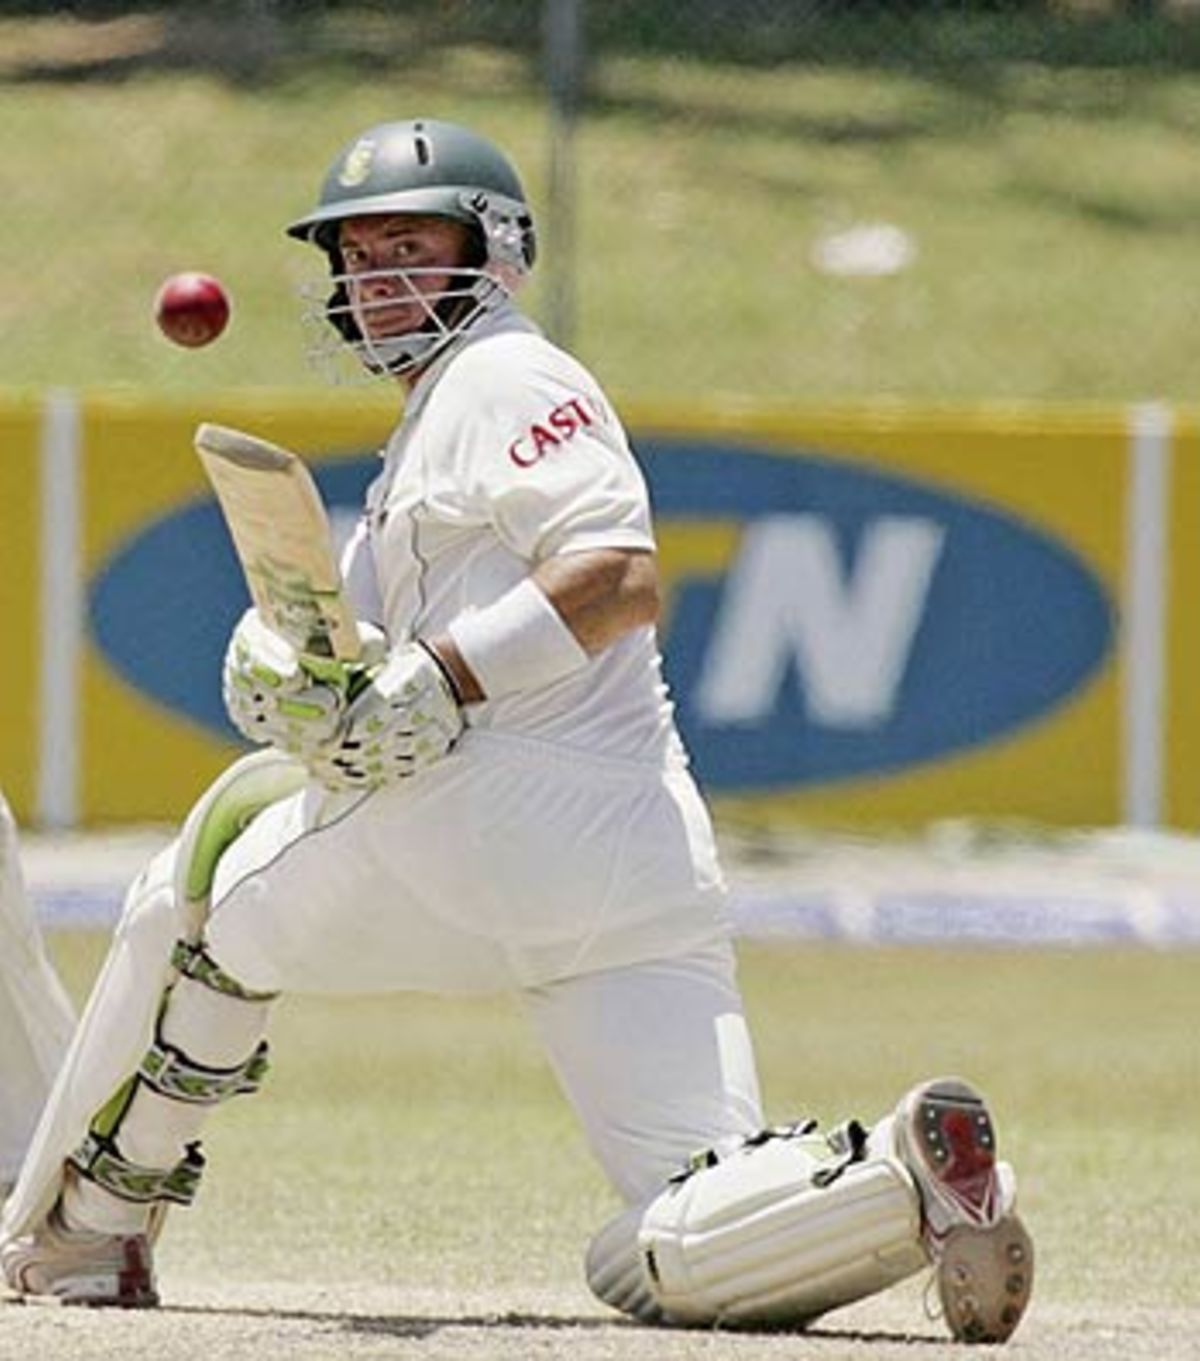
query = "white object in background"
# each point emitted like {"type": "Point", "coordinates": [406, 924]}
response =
{"type": "Point", "coordinates": [1144, 610]}
{"type": "Point", "coordinates": [868, 249]}
{"type": "Point", "coordinates": [62, 612]}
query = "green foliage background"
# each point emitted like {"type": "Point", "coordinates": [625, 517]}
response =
{"type": "Point", "coordinates": [1044, 168]}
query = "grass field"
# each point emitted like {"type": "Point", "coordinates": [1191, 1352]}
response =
{"type": "Point", "coordinates": [410, 1184]}
{"type": "Point", "coordinates": [1050, 194]}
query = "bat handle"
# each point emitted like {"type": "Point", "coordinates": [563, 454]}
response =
{"type": "Point", "coordinates": [341, 672]}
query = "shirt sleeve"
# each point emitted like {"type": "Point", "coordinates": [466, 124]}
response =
{"type": "Point", "coordinates": [359, 575]}
{"type": "Point", "coordinates": [546, 460]}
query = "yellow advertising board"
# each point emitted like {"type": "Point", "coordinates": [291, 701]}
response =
{"type": "Point", "coordinates": [20, 591]}
{"type": "Point", "coordinates": [150, 726]}
{"type": "Point", "coordinates": [1181, 774]}
{"type": "Point", "coordinates": [874, 617]}
{"type": "Point", "coordinates": [1058, 477]}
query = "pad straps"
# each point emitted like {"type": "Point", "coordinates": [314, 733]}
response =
{"type": "Point", "coordinates": [846, 1144]}
{"type": "Point", "coordinates": [99, 1160]}
{"type": "Point", "coordinates": [192, 960]}
{"type": "Point", "coordinates": [171, 1073]}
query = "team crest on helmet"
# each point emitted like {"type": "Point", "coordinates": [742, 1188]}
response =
{"type": "Point", "coordinates": [357, 165]}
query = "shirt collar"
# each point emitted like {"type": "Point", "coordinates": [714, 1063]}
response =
{"type": "Point", "coordinates": [503, 318]}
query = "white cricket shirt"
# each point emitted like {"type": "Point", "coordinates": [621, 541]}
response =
{"type": "Point", "coordinates": [509, 453]}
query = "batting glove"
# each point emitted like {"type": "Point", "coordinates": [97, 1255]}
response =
{"type": "Point", "coordinates": [407, 717]}
{"type": "Point", "coordinates": [272, 697]}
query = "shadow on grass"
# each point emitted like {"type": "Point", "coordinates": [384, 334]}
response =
{"type": "Point", "coordinates": [408, 1326]}
{"type": "Point", "coordinates": [970, 46]}
{"type": "Point", "coordinates": [972, 68]}
{"type": "Point", "coordinates": [403, 1325]}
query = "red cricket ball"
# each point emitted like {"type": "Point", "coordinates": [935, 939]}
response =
{"type": "Point", "coordinates": [191, 309]}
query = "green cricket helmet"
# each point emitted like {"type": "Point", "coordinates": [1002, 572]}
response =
{"type": "Point", "coordinates": [428, 168]}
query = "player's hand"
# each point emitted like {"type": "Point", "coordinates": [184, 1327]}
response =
{"type": "Point", "coordinates": [407, 717]}
{"type": "Point", "coordinates": [272, 698]}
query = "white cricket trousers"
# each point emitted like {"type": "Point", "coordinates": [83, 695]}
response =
{"type": "Point", "coordinates": [36, 1019]}
{"type": "Point", "coordinates": [589, 886]}
{"type": "Point", "coordinates": [656, 1061]}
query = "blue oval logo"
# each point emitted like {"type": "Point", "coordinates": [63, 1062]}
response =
{"type": "Point", "coordinates": [862, 622]}
{"type": "Point", "coordinates": [162, 607]}
{"type": "Point", "coordinates": [827, 619]}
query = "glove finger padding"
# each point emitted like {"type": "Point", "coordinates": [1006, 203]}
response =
{"type": "Point", "coordinates": [272, 697]}
{"type": "Point", "coordinates": [406, 718]}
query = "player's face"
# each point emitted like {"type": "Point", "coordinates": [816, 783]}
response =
{"type": "Point", "coordinates": [395, 263]}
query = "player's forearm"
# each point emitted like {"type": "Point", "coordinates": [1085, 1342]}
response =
{"type": "Point", "coordinates": [601, 595]}
{"type": "Point", "coordinates": [597, 596]}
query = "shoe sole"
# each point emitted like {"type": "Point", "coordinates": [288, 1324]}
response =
{"type": "Point", "coordinates": [985, 1279]}
{"type": "Point", "coordinates": [100, 1294]}
{"type": "Point", "coordinates": [956, 1145]}
{"type": "Point", "coordinates": [87, 1301]}
{"type": "Point", "coordinates": [983, 1258]}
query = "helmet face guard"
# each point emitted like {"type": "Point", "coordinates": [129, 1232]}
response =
{"type": "Point", "coordinates": [425, 168]}
{"type": "Point", "coordinates": [446, 314]}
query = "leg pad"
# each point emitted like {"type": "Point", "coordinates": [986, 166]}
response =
{"type": "Point", "coordinates": [764, 1237]}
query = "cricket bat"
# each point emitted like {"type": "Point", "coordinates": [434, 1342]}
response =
{"type": "Point", "coordinates": [280, 531]}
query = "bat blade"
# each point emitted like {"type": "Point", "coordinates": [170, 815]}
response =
{"type": "Point", "coordinates": [280, 531]}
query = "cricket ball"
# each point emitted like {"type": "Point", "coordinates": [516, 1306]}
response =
{"type": "Point", "coordinates": [191, 309]}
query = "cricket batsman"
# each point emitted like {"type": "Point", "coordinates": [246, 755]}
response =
{"type": "Point", "coordinates": [496, 797]}
{"type": "Point", "coordinates": [36, 1018]}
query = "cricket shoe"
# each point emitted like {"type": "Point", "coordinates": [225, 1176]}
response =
{"type": "Point", "coordinates": [78, 1266]}
{"type": "Point", "coordinates": [981, 1252]}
